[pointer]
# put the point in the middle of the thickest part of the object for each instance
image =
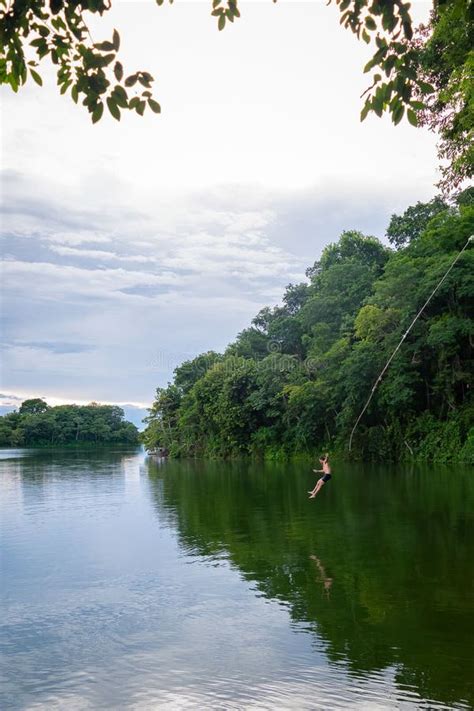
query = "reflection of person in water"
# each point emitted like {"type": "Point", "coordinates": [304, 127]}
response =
{"type": "Point", "coordinates": [327, 581]}
{"type": "Point", "coordinates": [325, 471]}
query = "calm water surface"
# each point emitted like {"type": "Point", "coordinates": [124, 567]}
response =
{"type": "Point", "coordinates": [130, 584]}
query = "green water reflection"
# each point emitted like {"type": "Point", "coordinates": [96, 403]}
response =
{"type": "Point", "coordinates": [379, 567]}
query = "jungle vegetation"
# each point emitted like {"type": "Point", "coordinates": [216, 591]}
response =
{"type": "Point", "coordinates": [294, 381]}
{"type": "Point", "coordinates": [36, 423]}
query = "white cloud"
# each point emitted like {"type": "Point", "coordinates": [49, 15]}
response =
{"type": "Point", "coordinates": [77, 237]}
{"type": "Point", "coordinates": [100, 254]}
{"type": "Point", "coordinates": [52, 280]}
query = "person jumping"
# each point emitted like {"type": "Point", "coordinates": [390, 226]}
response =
{"type": "Point", "coordinates": [325, 471]}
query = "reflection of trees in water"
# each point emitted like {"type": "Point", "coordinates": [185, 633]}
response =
{"type": "Point", "coordinates": [391, 551]}
{"type": "Point", "coordinates": [43, 466]}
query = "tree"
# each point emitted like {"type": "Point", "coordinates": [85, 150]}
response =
{"type": "Point", "coordinates": [5, 434]}
{"type": "Point", "coordinates": [446, 62]}
{"type": "Point", "coordinates": [404, 228]}
{"type": "Point", "coordinates": [341, 280]}
{"type": "Point", "coordinates": [35, 406]}
{"type": "Point", "coordinates": [295, 297]}
{"type": "Point", "coordinates": [428, 75]}
{"type": "Point", "coordinates": [250, 343]}
{"type": "Point", "coordinates": [91, 71]}
{"type": "Point", "coordinates": [162, 422]}
{"type": "Point", "coordinates": [186, 374]}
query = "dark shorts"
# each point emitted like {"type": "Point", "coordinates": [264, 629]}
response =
{"type": "Point", "coordinates": [326, 477]}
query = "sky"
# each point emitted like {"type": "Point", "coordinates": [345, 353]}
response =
{"type": "Point", "coordinates": [129, 247]}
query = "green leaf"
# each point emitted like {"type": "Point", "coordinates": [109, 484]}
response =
{"type": "Point", "coordinates": [36, 77]}
{"type": "Point", "coordinates": [154, 106]}
{"type": "Point", "coordinates": [398, 113]}
{"type": "Point", "coordinates": [425, 87]}
{"type": "Point", "coordinates": [75, 94]}
{"type": "Point", "coordinates": [106, 59]}
{"type": "Point", "coordinates": [365, 36]}
{"type": "Point", "coordinates": [65, 86]}
{"type": "Point", "coordinates": [221, 22]}
{"type": "Point", "coordinates": [389, 64]}
{"type": "Point", "coordinates": [118, 71]}
{"type": "Point", "coordinates": [412, 118]}
{"type": "Point", "coordinates": [377, 105]}
{"type": "Point", "coordinates": [141, 108]}
{"type": "Point", "coordinates": [58, 24]}
{"type": "Point", "coordinates": [365, 111]}
{"type": "Point", "coordinates": [131, 80]}
{"type": "Point", "coordinates": [56, 6]}
{"type": "Point", "coordinates": [371, 63]}
{"type": "Point", "coordinates": [116, 40]}
{"type": "Point", "coordinates": [387, 95]}
{"type": "Point", "coordinates": [145, 79]}
{"type": "Point", "coordinates": [407, 29]}
{"type": "Point", "coordinates": [417, 105]}
{"type": "Point", "coordinates": [13, 83]}
{"type": "Point", "coordinates": [113, 108]}
{"type": "Point", "coordinates": [370, 23]}
{"type": "Point", "coordinates": [104, 46]}
{"type": "Point", "coordinates": [406, 92]}
{"type": "Point", "coordinates": [97, 113]}
{"type": "Point", "coordinates": [120, 96]}
{"type": "Point", "coordinates": [344, 17]}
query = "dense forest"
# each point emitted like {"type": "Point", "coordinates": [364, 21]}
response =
{"type": "Point", "coordinates": [295, 380]}
{"type": "Point", "coordinates": [36, 423]}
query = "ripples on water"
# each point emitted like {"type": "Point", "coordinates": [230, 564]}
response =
{"type": "Point", "coordinates": [126, 584]}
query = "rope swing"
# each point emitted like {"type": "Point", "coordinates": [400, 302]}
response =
{"type": "Point", "coordinates": [384, 369]}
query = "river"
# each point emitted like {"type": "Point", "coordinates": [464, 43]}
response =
{"type": "Point", "coordinates": [130, 583]}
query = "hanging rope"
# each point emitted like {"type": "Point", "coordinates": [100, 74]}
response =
{"type": "Point", "coordinates": [384, 369]}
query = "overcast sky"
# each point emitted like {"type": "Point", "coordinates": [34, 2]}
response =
{"type": "Point", "coordinates": [131, 247]}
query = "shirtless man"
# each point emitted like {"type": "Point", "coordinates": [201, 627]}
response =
{"type": "Point", "coordinates": [326, 472]}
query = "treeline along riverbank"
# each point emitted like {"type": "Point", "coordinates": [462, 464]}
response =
{"type": "Point", "coordinates": [294, 381]}
{"type": "Point", "coordinates": [37, 424]}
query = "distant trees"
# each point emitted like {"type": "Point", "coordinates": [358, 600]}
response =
{"type": "Point", "coordinates": [38, 424]}
{"type": "Point", "coordinates": [297, 378]}
{"type": "Point", "coordinates": [35, 406]}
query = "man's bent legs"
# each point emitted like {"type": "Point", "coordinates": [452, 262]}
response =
{"type": "Point", "coordinates": [317, 488]}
